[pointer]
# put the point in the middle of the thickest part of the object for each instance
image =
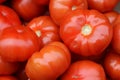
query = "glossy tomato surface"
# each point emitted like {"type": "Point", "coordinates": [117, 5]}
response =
{"type": "Point", "coordinates": [8, 68]}
{"type": "Point", "coordinates": [116, 38]}
{"type": "Point", "coordinates": [102, 5]}
{"type": "Point", "coordinates": [8, 17]}
{"type": "Point", "coordinates": [49, 63]}
{"type": "Point", "coordinates": [84, 70]}
{"type": "Point", "coordinates": [27, 9]}
{"type": "Point", "coordinates": [45, 28]}
{"type": "Point", "coordinates": [86, 32]}
{"type": "Point", "coordinates": [112, 16]}
{"type": "Point", "coordinates": [112, 65]}
{"type": "Point", "coordinates": [18, 43]}
{"type": "Point", "coordinates": [8, 78]}
{"type": "Point", "coordinates": [58, 8]}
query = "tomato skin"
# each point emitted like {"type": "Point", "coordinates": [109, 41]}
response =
{"type": "Point", "coordinates": [62, 7]}
{"type": "Point", "coordinates": [112, 16]}
{"type": "Point", "coordinates": [8, 78]}
{"type": "Point", "coordinates": [42, 2]}
{"type": "Point", "coordinates": [27, 9]}
{"type": "Point", "coordinates": [50, 62]}
{"type": "Point", "coordinates": [45, 28]}
{"type": "Point", "coordinates": [1, 1]}
{"type": "Point", "coordinates": [20, 42]}
{"type": "Point", "coordinates": [111, 65]}
{"type": "Point", "coordinates": [86, 32]}
{"type": "Point", "coordinates": [8, 17]}
{"type": "Point", "coordinates": [102, 5]}
{"type": "Point", "coordinates": [116, 38]}
{"type": "Point", "coordinates": [84, 70]}
{"type": "Point", "coordinates": [7, 68]}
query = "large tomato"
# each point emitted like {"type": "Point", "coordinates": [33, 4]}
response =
{"type": "Point", "coordinates": [8, 17]}
{"type": "Point", "coordinates": [102, 5]}
{"type": "Point", "coordinates": [45, 28]}
{"type": "Point", "coordinates": [116, 38]}
{"type": "Point", "coordinates": [112, 65]}
{"type": "Point", "coordinates": [84, 70]}
{"type": "Point", "coordinates": [9, 77]}
{"type": "Point", "coordinates": [58, 8]}
{"type": "Point", "coordinates": [7, 68]}
{"type": "Point", "coordinates": [27, 9]}
{"type": "Point", "coordinates": [49, 63]}
{"type": "Point", "coordinates": [86, 32]}
{"type": "Point", "coordinates": [18, 43]}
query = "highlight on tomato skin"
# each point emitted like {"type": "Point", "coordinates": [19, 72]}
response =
{"type": "Point", "coordinates": [51, 62]}
{"type": "Point", "coordinates": [84, 70]}
{"type": "Point", "coordinates": [111, 65]}
{"type": "Point", "coordinates": [86, 32]}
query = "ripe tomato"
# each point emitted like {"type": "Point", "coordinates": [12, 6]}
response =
{"type": "Point", "coordinates": [112, 65]}
{"type": "Point", "coordinates": [84, 70]}
{"type": "Point", "coordinates": [58, 8]}
{"type": "Point", "coordinates": [86, 32]}
{"type": "Point", "coordinates": [102, 5]}
{"type": "Point", "coordinates": [112, 16]}
{"type": "Point", "coordinates": [27, 9]}
{"type": "Point", "coordinates": [42, 2]}
{"type": "Point", "coordinates": [1, 1]}
{"type": "Point", "coordinates": [7, 68]}
{"type": "Point", "coordinates": [116, 38]}
{"type": "Point", "coordinates": [117, 21]}
{"type": "Point", "coordinates": [8, 78]}
{"type": "Point", "coordinates": [45, 28]}
{"type": "Point", "coordinates": [18, 43]}
{"type": "Point", "coordinates": [49, 63]}
{"type": "Point", "coordinates": [8, 17]}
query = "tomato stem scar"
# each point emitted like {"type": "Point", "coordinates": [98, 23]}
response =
{"type": "Point", "coordinates": [86, 30]}
{"type": "Point", "coordinates": [38, 33]}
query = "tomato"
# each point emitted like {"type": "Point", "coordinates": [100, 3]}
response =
{"type": "Point", "coordinates": [27, 9]}
{"type": "Point", "coordinates": [45, 28]}
{"type": "Point", "coordinates": [1, 1]}
{"type": "Point", "coordinates": [102, 5]}
{"type": "Point", "coordinates": [112, 16]}
{"type": "Point", "coordinates": [58, 8]}
{"type": "Point", "coordinates": [117, 21]}
{"type": "Point", "coordinates": [116, 38]}
{"type": "Point", "coordinates": [8, 17]}
{"type": "Point", "coordinates": [52, 61]}
{"type": "Point", "coordinates": [86, 32]}
{"type": "Point", "coordinates": [84, 70]}
{"type": "Point", "coordinates": [8, 78]}
{"type": "Point", "coordinates": [7, 68]}
{"type": "Point", "coordinates": [18, 43]}
{"type": "Point", "coordinates": [42, 2]}
{"type": "Point", "coordinates": [112, 65]}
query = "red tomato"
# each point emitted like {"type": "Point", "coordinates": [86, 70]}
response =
{"type": "Point", "coordinates": [27, 9]}
{"type": "Point", "coordinates": [117, 21]}
{"type": "Point", "coordinates": [7, 68]}
{"type": "Point", "coordinates": [112, 16]}
{"type": "Point", "coordinates": [86, 32]}
{"type": "Point", "coordinates": [18, 43]}
{"type": "Point", "coordinates": [116, 38]}
{"type": "Point", "coordinates": [45, 28]}
{"type": "Point", "coordinates": [58, 8]}
{"type": "Point", "coordinates": [1, 1]}
{"type": "Point", "coordinates": [102, 5]}
{"type": "Point", "coordinates": [8, 78]}
{"type": "Point", "coordinates": [8, 17]}
{"type": "Point", "coordinates": [112, 65]}
{"type": "Point", "coordinates": [49, 63]}
{"type": "Point", "coordinates": [42, 2]}
{"type": "Point", "coordinates": [84, 70]}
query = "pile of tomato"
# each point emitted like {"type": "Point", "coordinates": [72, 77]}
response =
{"type": "Point", "coordinates": [59, 40]}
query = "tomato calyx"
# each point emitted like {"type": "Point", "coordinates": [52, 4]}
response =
{"type": "Point", "coordinates": [86, 30]}
{"type": "Point", "coordinates": [38, 33]}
